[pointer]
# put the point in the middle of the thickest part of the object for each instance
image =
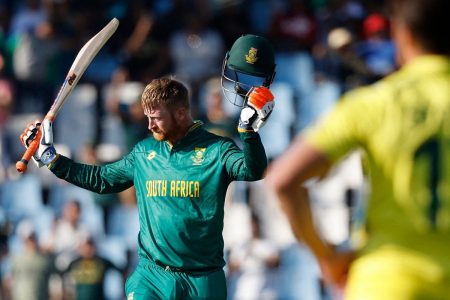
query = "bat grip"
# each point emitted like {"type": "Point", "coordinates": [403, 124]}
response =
{"type": "Point", "coordinates": [21, 165]}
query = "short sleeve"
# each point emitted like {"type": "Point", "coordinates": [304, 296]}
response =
{"type": "Point", "coordinates": [348, 126]}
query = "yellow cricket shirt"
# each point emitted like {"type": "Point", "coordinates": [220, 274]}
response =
{"type": "Point", "coordinates": [403, 124]}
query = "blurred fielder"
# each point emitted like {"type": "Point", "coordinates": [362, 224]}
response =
{"type": "Point", "coordinates": [403, 125]}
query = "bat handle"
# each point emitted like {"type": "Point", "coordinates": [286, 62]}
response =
{"type": "Point", "coordinates": [21, 165]}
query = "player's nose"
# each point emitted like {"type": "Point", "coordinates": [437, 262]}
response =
{"type": "Point", "coordinates": [152, 125]}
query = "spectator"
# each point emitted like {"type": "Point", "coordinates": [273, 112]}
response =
{"type": "Point", "coordinates": [376, 49]}
{"type": "Point", "coordinates": [123, 100]}
{"type": "Point", "coordinates": [28, 17]}
{"type": "Point", "coordinates": [143, 41]}
{"type": "Point", "coordinates": [31, 268]}
{"type": "Point", "coordinates": [293, 29]}
{"type": "Point", "coordinates": [351, 69]}
{"type": "Point", "coordinates": [254, 261]}
{"type": "Point", "coordinates": [37, 46]}
{"type": "Point", "coordinates": [66, 234]}
{"type": "Point", "coordinates": [6, 104]}
{"type": "Point", "coordinates": [197, 52]}
{"type": "Point", "coordinates": [216, 118]}
{"type": "Point", "coordinates": [88, 271]}
{"type": "Point", "coordinates": [232, 20]}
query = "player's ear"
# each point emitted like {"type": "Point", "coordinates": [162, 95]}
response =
{"type": "Point", "coordinates": [181, 113]}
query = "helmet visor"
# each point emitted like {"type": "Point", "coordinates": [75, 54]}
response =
{"type": "Point", "coordinates": [236, 85]}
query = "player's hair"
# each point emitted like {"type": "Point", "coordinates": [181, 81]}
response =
{"type": "Point", "coordinates": [428, 21]}
{"type": "Point", "coordinates": [165, 91]}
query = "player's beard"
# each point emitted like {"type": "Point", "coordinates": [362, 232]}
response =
{"type": "Point", "coordinates": [159, 136]}
{"type": "Point", "coordinates": [169, 133]}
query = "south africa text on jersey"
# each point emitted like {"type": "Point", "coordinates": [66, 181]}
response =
{"type": "Point", "coordinates": [173, 188]}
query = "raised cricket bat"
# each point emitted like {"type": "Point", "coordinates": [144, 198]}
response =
{"type": "Point", "coordinates": [80, 64]}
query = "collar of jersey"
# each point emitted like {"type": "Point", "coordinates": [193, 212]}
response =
{"type": "Point", "coordinates": [427, 64]}
{"type": "Point", "coordinates": [197, 124]}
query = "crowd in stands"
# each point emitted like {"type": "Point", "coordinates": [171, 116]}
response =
{"type": "Point", "coordinates": [48, 227]}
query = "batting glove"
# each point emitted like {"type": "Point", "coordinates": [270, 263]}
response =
{"type": "Point", "coordinates": [257, 110]}
{"type": "Point", "coordinates": [45, 153]}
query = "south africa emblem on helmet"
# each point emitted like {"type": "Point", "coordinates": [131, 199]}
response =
{"type": "Point", "coordinates": [198, 157]}
{"type": "Point", "coordinates": [251, 56]}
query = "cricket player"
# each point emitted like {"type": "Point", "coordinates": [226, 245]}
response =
{"type": "Point", "coordinates": [402, 123]}
{"type": "Point", "coordinates": [181, 175]}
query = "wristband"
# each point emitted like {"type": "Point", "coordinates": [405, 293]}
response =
{"type": "Point", "coordinates": [48, 156]}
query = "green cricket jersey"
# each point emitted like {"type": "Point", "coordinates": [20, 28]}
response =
{"type": "Point", "coordinates": [180, 191]}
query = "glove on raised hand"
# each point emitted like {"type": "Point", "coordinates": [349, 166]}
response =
{"type": "Point", "coordinates": [45, 153]}
{"type": "Point", "coordinates": [257, 110]}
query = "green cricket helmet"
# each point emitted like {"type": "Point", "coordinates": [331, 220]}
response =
{"type": "Point", "coordinates": [249, 63]}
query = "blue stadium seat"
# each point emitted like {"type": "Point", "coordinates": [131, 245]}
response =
{"type": "Point", "coordinates": [299, 275]}
{"type": "Point", "coordinates": [320, 101]}
{"type": "Point", "coordinates": [21, 198]}
{"type": "Point", "coordinates": [113, 286]}
{"type": "Point", "coordinates": [124, 223]}
{"type": "Point", "coordinates": [276, 135]}
{"type": "Point", "coordinates": [297, 70]}
{"type": "Point", "coordinates": [77, 118]}
{"type": "Point", "coordinates": [113, 249]}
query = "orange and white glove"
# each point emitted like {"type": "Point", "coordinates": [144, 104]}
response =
{"type": "Point", "coordinates": [45, 153]}
{"type": "Point", "coordinates": [257, 110]}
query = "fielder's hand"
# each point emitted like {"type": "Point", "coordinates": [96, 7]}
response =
{"type": "Point", "coordinates": [45, 153]}
{"type": "Point", "coordinates": [257, 110]}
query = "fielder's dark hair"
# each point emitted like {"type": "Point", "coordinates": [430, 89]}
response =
{"type": "Point", "coordinates": [165, 91]}
{"type": "Point", "coordinates": [428, 20]}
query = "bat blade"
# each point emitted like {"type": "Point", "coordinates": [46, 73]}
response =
{"type": "Point", "coordinates": [80, 64]}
